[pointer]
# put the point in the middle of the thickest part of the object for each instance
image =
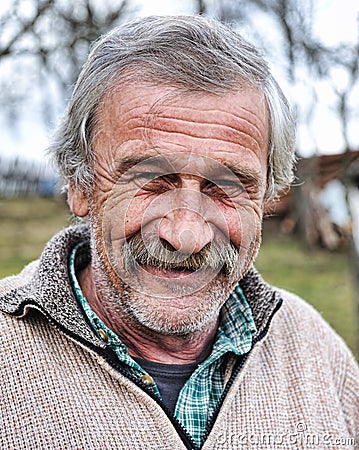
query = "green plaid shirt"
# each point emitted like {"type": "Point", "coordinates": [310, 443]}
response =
{"type": "Point", "coordinates": [199, 396]}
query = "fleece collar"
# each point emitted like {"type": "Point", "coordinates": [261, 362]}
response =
{"type": "Point", "coordinates": [45, 285]}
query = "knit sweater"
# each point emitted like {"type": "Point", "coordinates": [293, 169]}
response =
{"type": "Point", "coordinates": [61, 387]}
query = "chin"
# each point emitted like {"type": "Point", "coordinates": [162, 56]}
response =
{"type": "Point", "coordinates": [177, 315]}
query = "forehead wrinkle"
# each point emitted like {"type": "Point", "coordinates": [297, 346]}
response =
{"type": "Point", "coordinates": [136, 117]}
{"type": "Point", "coordinates": [230, 118]}
{"type": "Point", "coordinates": [154, 142]}
{"type": "Point", "coordinates": [233, 128]}
{"type": "Point", "coordinates": [264, 122]}
{"type": "Point", "coordinates": [111, 109]}
{"type": "Point", "coordinates": [147, 113]}
{"type": "Point", "coordinates": [146, 132]}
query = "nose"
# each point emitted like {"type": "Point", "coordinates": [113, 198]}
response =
{"type": "Point", "coordinates": [186, 230]}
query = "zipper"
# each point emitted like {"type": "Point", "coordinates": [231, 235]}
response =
{"type": "Point", "coordinates": [238, 367]}
{"type": "Point", "coordinates": [181, 431]}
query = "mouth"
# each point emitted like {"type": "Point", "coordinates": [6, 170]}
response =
{"type": "Point", "coordinates": [169, 273]}
{"type": "Point", "coordinates": [162, 260]}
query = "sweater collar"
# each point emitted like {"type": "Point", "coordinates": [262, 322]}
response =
{"type": "Point", "coordinates": [45, 286]}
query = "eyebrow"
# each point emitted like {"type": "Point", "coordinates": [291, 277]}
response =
{"type": "Point", "coordinates": [253, 176]}
{"type": "Point", "coordinates": [130, 161]}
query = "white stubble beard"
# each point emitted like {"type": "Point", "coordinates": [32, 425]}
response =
{"type": "Point", "coordinates": [157, 315]}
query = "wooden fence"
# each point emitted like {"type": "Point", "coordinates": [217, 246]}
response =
{"type": "Point", "coordinates": [21, 177]}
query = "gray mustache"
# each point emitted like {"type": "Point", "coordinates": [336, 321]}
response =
{"type": "Point", "coordinates": [215, 256]}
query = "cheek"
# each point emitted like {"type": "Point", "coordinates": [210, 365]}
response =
{"type": "Point", "coordinates": [133, 216]}
{"type": "Point", "coordinates": [123, 214]}
{"type": "Point", "coordinates": [243, 224]}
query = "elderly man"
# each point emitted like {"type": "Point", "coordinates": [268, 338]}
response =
{"type": "Point", "coordinates": [146, 326]}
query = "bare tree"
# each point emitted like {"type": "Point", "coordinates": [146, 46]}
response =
{"type": "Point", "coordinates": [43, 44]}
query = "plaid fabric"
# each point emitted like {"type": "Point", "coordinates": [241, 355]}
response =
{"type": "Point", "coordinates": [200, 394]}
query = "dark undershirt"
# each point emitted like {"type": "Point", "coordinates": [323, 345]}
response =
{"type": "Point", "coordinates": [169, 378]}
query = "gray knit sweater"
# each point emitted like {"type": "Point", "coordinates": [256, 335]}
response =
{"type": "Point", "coordinates": [61, 388]}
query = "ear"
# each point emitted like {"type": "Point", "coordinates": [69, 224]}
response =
{"type": "Point", "coordinates": [77, 201]}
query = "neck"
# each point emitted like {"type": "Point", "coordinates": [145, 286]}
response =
{"type": "Point", "coordinates": [141, 341]}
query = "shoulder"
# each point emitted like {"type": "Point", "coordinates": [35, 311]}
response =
{"type": "Point", "coordinates": [301, 350]}
{"type": "Point", "coordinates": [17, 281]}
{"type": "Point", "coordinates": [45, 279]}
{"type": "Point", "coordinates": [300, 322]}
{"type": "Point", "coordinates": [13, 288]}
{"type": "Point", "coordinates": [301, 335]}
{"type": "Point", "coordinates": [295, 308]}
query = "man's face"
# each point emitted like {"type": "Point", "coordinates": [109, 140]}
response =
{"type": "Point", "coordinates": [177, 204]}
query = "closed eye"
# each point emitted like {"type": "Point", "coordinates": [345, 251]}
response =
{"type": "Point", "coordinates": [156, 181]}
{"type": "Point", "coordinates": [223, 188]}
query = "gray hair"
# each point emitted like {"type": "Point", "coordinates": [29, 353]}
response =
{"type": "Point", "coordinates": [192, 53]}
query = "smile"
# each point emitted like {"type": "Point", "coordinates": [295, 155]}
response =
{"type": "Point", "coordinates": [169, 273]}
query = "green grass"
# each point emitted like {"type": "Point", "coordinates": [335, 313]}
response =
{"type": "Point", "coordinates": [26, 224]}
{"type": "Point", "coordinates": [320, 277]}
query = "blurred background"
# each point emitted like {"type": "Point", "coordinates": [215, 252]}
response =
{"type": "Point", "coordinates": [311, 238]}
